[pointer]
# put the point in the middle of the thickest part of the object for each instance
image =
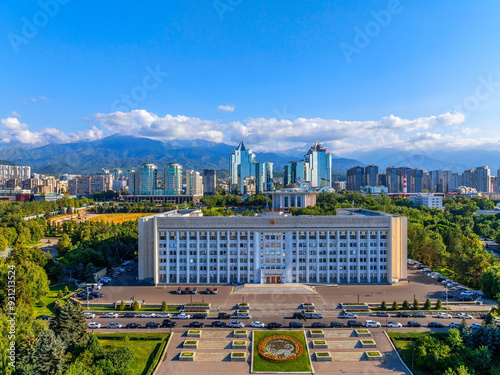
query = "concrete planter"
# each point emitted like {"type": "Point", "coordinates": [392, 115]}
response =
{"type": "Point", "coordinates": [193, 333]}
{"type": "Point", "coordinates": [307, 306]}
{"type": "Point", "coordinates": [239, 344]}
{"type": "Point", "coordinates": [368, 344]}
{"type": "Point", "coordinates": [240, 334]}
{"type": "Point", "coordinates": [374, 356]}
{"type": "Point", "coordinates": [323, 357]}
{"type": "Point", "coordinates": [187, 356]}
{"type": "Point", "coordinates": [363, 333]}
{"type": "Point", "coordinates": [238, 357]}
{"type": "Point", "coordinates": [190, 344]}
{"type": "Point", "coordinates": [320, 344]}
{"type": "Point", "coordinates": [317, 333]}
{"type": "Point", "coordinates": [244, 306]}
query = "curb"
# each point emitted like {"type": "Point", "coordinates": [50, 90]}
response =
{"type": "Point", "coordinates": [162, 357]}
{"type": "Point", "coordinates": [397, 353]}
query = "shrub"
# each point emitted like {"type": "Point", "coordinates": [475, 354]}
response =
{"type": "Point", "coordinates": [135, 306]}
{"type": "Point", "coordinates": [439, 304]}
{"type": "Point", "coordinates": [427, 305]}
{"type": "Point", "coordinates": [164, 306]}
{"type": "Point", "coordinates": [42, 303]}
{"type": "Point", "coordinates": [60, 294]}
{"type": "Point", "coordinates": [395, 306]}
{"type": "Point", "coordinates": [122, 305]}
{"type": "Point", "coordinates": [415, 304]}
{"type": "Point", "coordinates": [383, 306]}
{"type": "Point", "coordinates": [406, 305]}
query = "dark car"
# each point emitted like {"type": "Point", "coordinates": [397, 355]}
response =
{"type": "Point", "coordinates": [337, 324]}
{"type": "Point", "coordinates": [413, 323]}
{"type": "Point", "coordinates": [168, 324]}
{"type": "Point", "coordinates": [133, 325]}
{"type": "Point", "coordinates": [197, 325]}
{"type": "Point", "coordinates": [467, 298]}
{"type": "Point", "coordinates": [208, 291]}
{"type": "Point", "coordinates": [187, 290]}
{"type": "Point", "coordinates": [199, 316]}
{"type": "Point", "coordinates": [318, 325]}
{"type": "Point", "coordinates": [419, 315]}
{"type": "Point", "coordinates": [130, 315]}
{"type": "Point", "coordinates": [43, 317]}
{"type": "Point", "coordinates": [382, 314]}
{"type": "Point", "coordinates": [97, 294]}
{"type": "Point", "coordinates": [298, 315]}
{"type": "Point", "coordinates": [274, 325]}
{"type": "Point", "coordinates": [223, 316]}
{"type": "Point", "coordinates": [218, 323]}
{"type": "Point", "coordinates": [295, 325]}
{"type": "Point", "coordinates": [152, 325]}
{"type": "Point", "coordinates": [436, 325]}
{"type": "Point", "coordinates": [483, 316]}
{"type": "Point", "coordinates": [354, 323]}
{"type": "Point", "coordinates": [403, 315]}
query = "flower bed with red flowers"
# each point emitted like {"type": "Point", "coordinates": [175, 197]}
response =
{"type": "Point", "coordinates": [280, 348]}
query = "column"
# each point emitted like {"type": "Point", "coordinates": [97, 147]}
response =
{"type": "Point", "coordinates": [297, 256]}
{"type": "Point", "coordinates": [238, 253]}
{"type": "Point", "coordinates": [368, 257]}
{"type": "Point", "coordinates": [188, 257]}
{"type": "Point", "coordinates": [218, 257]}
{"type": "Point", "coordinates": [168, 258]}
{"type": "Point", "coordinates": [378, 256]}
{"type": "Point", "coordinates": [228, 257]}
{"type": "Point", "coordinates": [178, 252]}
{"type": "Point", "coordinates": [197, 256]}
{"type": "Point", "coordinates": [358, 238]}
{"type": "Point", "coordinates": [328, 263]}
{"type": "Point", "coordinates": [248, 256]}
{"type": "Point", "coordinates": [348, 256]}
{"type": "Point", "coordinates": [338, 256]}
{"type": "Point", "coordinates": [317, 256]}
{"type": "Point", "coordinates": [307, 256]}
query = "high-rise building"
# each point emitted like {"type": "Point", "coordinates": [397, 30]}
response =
{"type": "Point", "coordinates": [209, 181]}
{"type": "Point", "coordinates": [355, 178]}
{"type": "Point", "coordinates": [246, 175]}
{"type": "Point", "coordinates": [132, 182]}
{"type": "Point", "coordinates": [371, 175]}
{"type": "Point", "coordinates": [320, 164]}
{"type": "Point", "coordinates": [469, 178]}
{"type": "Point", "coordinates": [483, 178]}
{"type": "Point", "coordinates": [21, 172]}
{"type": "Point", "coordinates": [173, 179]}
{"type": "Point", "coordinates": [296, 171]}
{"type": "Point", "coordinates": [392, 176]}
{"type": "Point", "coordinates": [144, 181]}
{"type": "Point", "coordinates": [194, 183]}
{"type": "Point", "coordinates": [417, 181]}
{"type": "Point", "coordinates": [456, 181]}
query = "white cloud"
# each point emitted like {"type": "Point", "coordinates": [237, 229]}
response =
{"type": "Point", "coordinates": [226, 108]}
{"type": "Point", "coordinates": [15, 114]}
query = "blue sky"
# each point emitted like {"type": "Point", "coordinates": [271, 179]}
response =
{"type": "Point", "coordinates": [357, 75]}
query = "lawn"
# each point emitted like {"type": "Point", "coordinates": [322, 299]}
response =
{"type": "Point", "coordinates": [300, 364]}
{"type": "Point", "coordinates": [51, 298]}
{"type": "Point", "coordinates": [118, 218]}
{"type": "Point", "coordinates": [170, 309]}
{"type": "Point", "coordinates": [146, 348]}
{"type": "Point", "coordinates": [403, 341]}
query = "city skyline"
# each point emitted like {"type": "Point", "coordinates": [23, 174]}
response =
{"type": "Point", "coordinates": [345, 82]}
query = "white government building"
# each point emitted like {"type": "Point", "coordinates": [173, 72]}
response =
{"type": "Point", "coordinates": [355, 246]}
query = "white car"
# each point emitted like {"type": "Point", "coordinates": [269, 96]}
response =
{"type": "Point", "coordinates": [114, 325]}
{"type": "Point", "coordinates": [444, 316]}
{"type": "Point", "coordinates": [163, 315]}
{"type": "Point", "coordinates": [90, 316]}
{"type": "Point", "coordinates": [394, 325]}
{"type": "Point", "coordinates": [244, 316]}
{"type": "Point", "coordinates": [372, 324]}
{"type": "Point", "coordinates": [497, 320]}
{"type": "Point", "coordinates": [350, 316]}
{"type": "Point", "coordinates": [94, 325]}
{"type": "Point", "coordinates": [454, 325]}
{"type": "Point", "coordinates": [146, 315]}
{"type": "Point", "coordinates": [183, 316]}
{"type": "Point", "coordinates": [258, 324]}
{"type": "Point", "coordinates": [111, 315]}
{"type": "Point", "coordinates": [475, 326]}
{"type": "Point", "coordinates": [236, 324]}
{"type": "Point", "coordinates": [464, 316]}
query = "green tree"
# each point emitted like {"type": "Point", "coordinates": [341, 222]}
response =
{"type": "Point", "coordinates": [122, 305]}
{"type": "Point", "coordinates": [427, 305]}
{"type": "Point", "coordinates": [64, 244]}
{"type": "Point", "coordinates": [66, 290]}
{"type": "Point", "coordinates": [50, 354]}
{"type": "Point", "coordinates": [164, 306]}
{"type": "Point", "coordinates": [415, 304]}
{"type": "Point", "coordinates": [121, 359]}
{"type": "Point", "coordinates": [94, 346]}
{"type": "Point", "coordinates": [60, 294]}
{"type": "Point", "coordinates": [69, 324]}
{"type": "Point", "coordinates": [395, 305]}
{"type": "Point", "coordinates": [135, 306]}
{"type": "Point", "coordinates": [383, 306]}
{"type": "Point", "coordinates": [406, 305]}
{"type": "Point", "coordinates": [439, 304]}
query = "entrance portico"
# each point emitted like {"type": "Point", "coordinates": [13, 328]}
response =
{"type": "Point", "coordinates": [272, 276]}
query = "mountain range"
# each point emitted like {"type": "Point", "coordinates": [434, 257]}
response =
{"type": "Point", "coordinates": [126, 152]}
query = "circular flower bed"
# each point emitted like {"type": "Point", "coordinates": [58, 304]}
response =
{"type": "Point", "coordinates": [280, 348]}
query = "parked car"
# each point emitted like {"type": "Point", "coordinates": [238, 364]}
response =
{"type": "Point", "coordinates": [316, 316]}
{"type": "Point", "coordinates": [168, 324]}
{"type": "Point", "coordinates": [152, 325]}
{"type": "Point", "coordinates": [178, 291]}
{"type": "Point", "coordinates": [382, 314]}
{"type": "Point", "coordinates": [114, 325]}
{"type": "Point", "coordinates": [163, 315]}
{"type": "Point", "coordinates": [419, 315]}
{"type": "Point", "coordinates": [43, 317]}
{"type": "Point", "coordinates": [372, 324]}
{"type": "Point", "coordinates": [318, 325]}
{"type": "Point", "coordinates": [413, 323]}
{"type": "Point", "coordinates": [208, 290]}
{"type": "Point", "coordinates": [223, 316]}
{"type": "Point", "coordinates": [183, 316]}
{"type": "Point", "coordinates": [464, 316]}
{"type": "Point", "coordinates": [274, 325]}
{"type": "Point", "coordinates": [394, 325]}
{"type": "Point", "coordinates": [90, 316]}
{"type": "Point", "coordinates": [111, 315]}
{"type": "Point", "coordinates": [295, 325]}
{"type": "Point", "coordinates": [403, 315]}
{"type": "Point", "coordinates": [133, 325]}
{"type": "Point", "coordinates": [147, 315]}
{"type": "Point", "coordinates": [298, 315]}
{"type": "Point", "coordinates": [454, 325]}
{"type": "Point", "coordinates": [197, 325]}
{"type": "Point", "coordinates": [467, 298]}
{"type": "Point", "coordinates": [244, 316]}
{"type": "Point", "coordinates": [187, 290]}
{"type": "Point", "coordinates": [444, 316]}
{"type": "Point", "coordinates": [475, 326]}
{"type": "Point", "coordinates": [436, 325]}
{"type": "Point", "coordinates": [354, 323]}
{"type": "Point", "coordinates": [350, 316]}
{"type": "Point", "coordinates": [214, 290]}
{"type": "Point", "coordinates": [258, 324]}
{"type": "Point", "coordinates": [335, 324]}
{"type": "Point", "coordinates": [130, 315]}
{"type": "Point", "coordinates": [194, 291]}
{"type": "Point", "coordinates": [218, 323]}
{"type": "Point", "coordinates": [236, 324]}
{"type": "Point", "coordinates": [199, 316]}
{"type": "Point", "coordinates": [94, 325]}
{"type": "Point", "coordinates": [97, 294]}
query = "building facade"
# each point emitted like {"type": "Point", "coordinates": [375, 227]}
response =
{"type": "Point", "coordinates": [173, 179]}
{"type": "Point", "coordinates": [355, 246]}
{"type": "Point", "coordinates": [194, 183]}
{"type": "Point", "coordinates": [209, 182]}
